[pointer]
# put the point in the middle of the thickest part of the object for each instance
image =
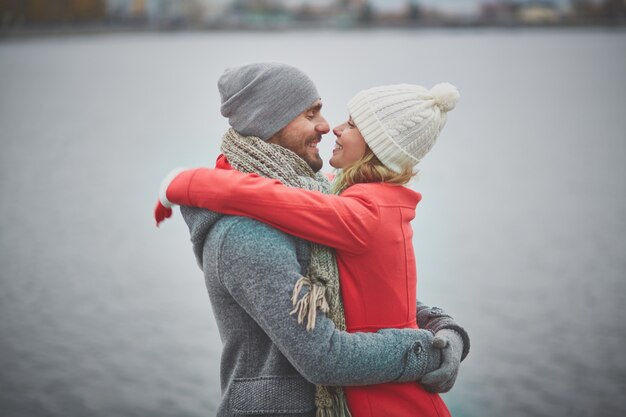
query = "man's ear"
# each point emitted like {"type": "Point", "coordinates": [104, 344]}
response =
{"type": "Point", "coordinates": [276, 137]}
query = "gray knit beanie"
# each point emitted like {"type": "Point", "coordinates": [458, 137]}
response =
{"type": "Point", "coordinates": [400, 123]}
{"type": "Point", "coordinates": [260, 99]}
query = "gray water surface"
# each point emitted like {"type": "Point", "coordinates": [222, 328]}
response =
{"type": "Point", "coordinates": [520, 233]}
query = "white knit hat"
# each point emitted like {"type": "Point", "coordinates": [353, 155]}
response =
{"type": "Point", "coordinates": [400, 123]}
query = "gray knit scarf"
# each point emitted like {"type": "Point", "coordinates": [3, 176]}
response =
{"type": "Point", "coordinates": [252, 155]}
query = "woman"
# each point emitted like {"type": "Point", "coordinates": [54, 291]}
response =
{"type": "Point", "coordinates": [389, 130]}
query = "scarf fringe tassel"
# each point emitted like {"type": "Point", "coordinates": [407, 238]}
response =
{"type": "Point", "coordinates": [307, 306]}
{"type": "Point", "coordinates": [338, 406]}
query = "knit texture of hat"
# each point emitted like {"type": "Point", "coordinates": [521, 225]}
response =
{"type": "Point", "coordinates": [260, 99]}
{"type": "Point", "coordinates": [400, 123]}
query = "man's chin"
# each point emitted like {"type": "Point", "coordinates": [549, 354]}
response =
{"type": "Point", "coordinates": [315, 162]}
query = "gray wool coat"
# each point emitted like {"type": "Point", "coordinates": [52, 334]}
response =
{"type": "Point", "coordinates": [269, 362]}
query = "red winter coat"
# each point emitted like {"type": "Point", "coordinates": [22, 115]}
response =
{"type": "Point", "coordinates": [369, 226]}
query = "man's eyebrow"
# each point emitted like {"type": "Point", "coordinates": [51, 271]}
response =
{"type": "Point", "coordinates": [316, 107]}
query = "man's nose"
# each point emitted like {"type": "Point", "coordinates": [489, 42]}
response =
{"type": "Point", "coordinates": [322, 127]}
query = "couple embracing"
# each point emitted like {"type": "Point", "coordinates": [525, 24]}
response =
{"type": "Point", "coordinates": [313, 280]}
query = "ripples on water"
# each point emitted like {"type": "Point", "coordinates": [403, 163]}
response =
{"type": "Point", "coordinates": [520, 233]}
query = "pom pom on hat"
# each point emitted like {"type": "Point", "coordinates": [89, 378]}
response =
{"type": "Point", "coordinates": [446, 96]}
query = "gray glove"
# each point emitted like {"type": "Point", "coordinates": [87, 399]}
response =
{"type": "Point", "coordinates": [442, 379]}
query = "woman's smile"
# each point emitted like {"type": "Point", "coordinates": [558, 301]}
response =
{"type": "Point", "coordinates": [349, 146]}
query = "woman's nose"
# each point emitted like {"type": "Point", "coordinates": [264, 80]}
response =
{"type": "Point", "coordinates": [337, 130]}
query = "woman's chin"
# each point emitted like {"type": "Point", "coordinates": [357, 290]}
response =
{"type": "Point", "coordinates": [335, 164]}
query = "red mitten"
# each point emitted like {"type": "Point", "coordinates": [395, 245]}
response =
{"type": "Point", "coordinates": [161, 213]}
{"type": "Point", "coordinates": [163, 209]}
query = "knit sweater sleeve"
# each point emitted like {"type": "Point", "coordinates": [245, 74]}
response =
{"type": "Point", "coordinates": [259, 268]}
{"type": "Point", "coordinates": [347, 222]}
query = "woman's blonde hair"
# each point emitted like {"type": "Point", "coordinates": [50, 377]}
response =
{"type": "Point", "coordinates": [370, 169]}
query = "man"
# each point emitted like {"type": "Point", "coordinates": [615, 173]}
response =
{"type": "Point", "coordinates": [270, 360]}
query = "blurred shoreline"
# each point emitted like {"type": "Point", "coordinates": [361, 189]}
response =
{"type": "Point", "coordinates": [97, 29]}
{"type": "Point", "coordinates": [29, 18]}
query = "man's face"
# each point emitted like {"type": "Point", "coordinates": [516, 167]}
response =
{"type": "Point", "coordinates": [302, 135]}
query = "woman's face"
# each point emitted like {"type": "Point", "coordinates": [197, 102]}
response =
{"type": "Point", "coordinates": [349, 146]}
